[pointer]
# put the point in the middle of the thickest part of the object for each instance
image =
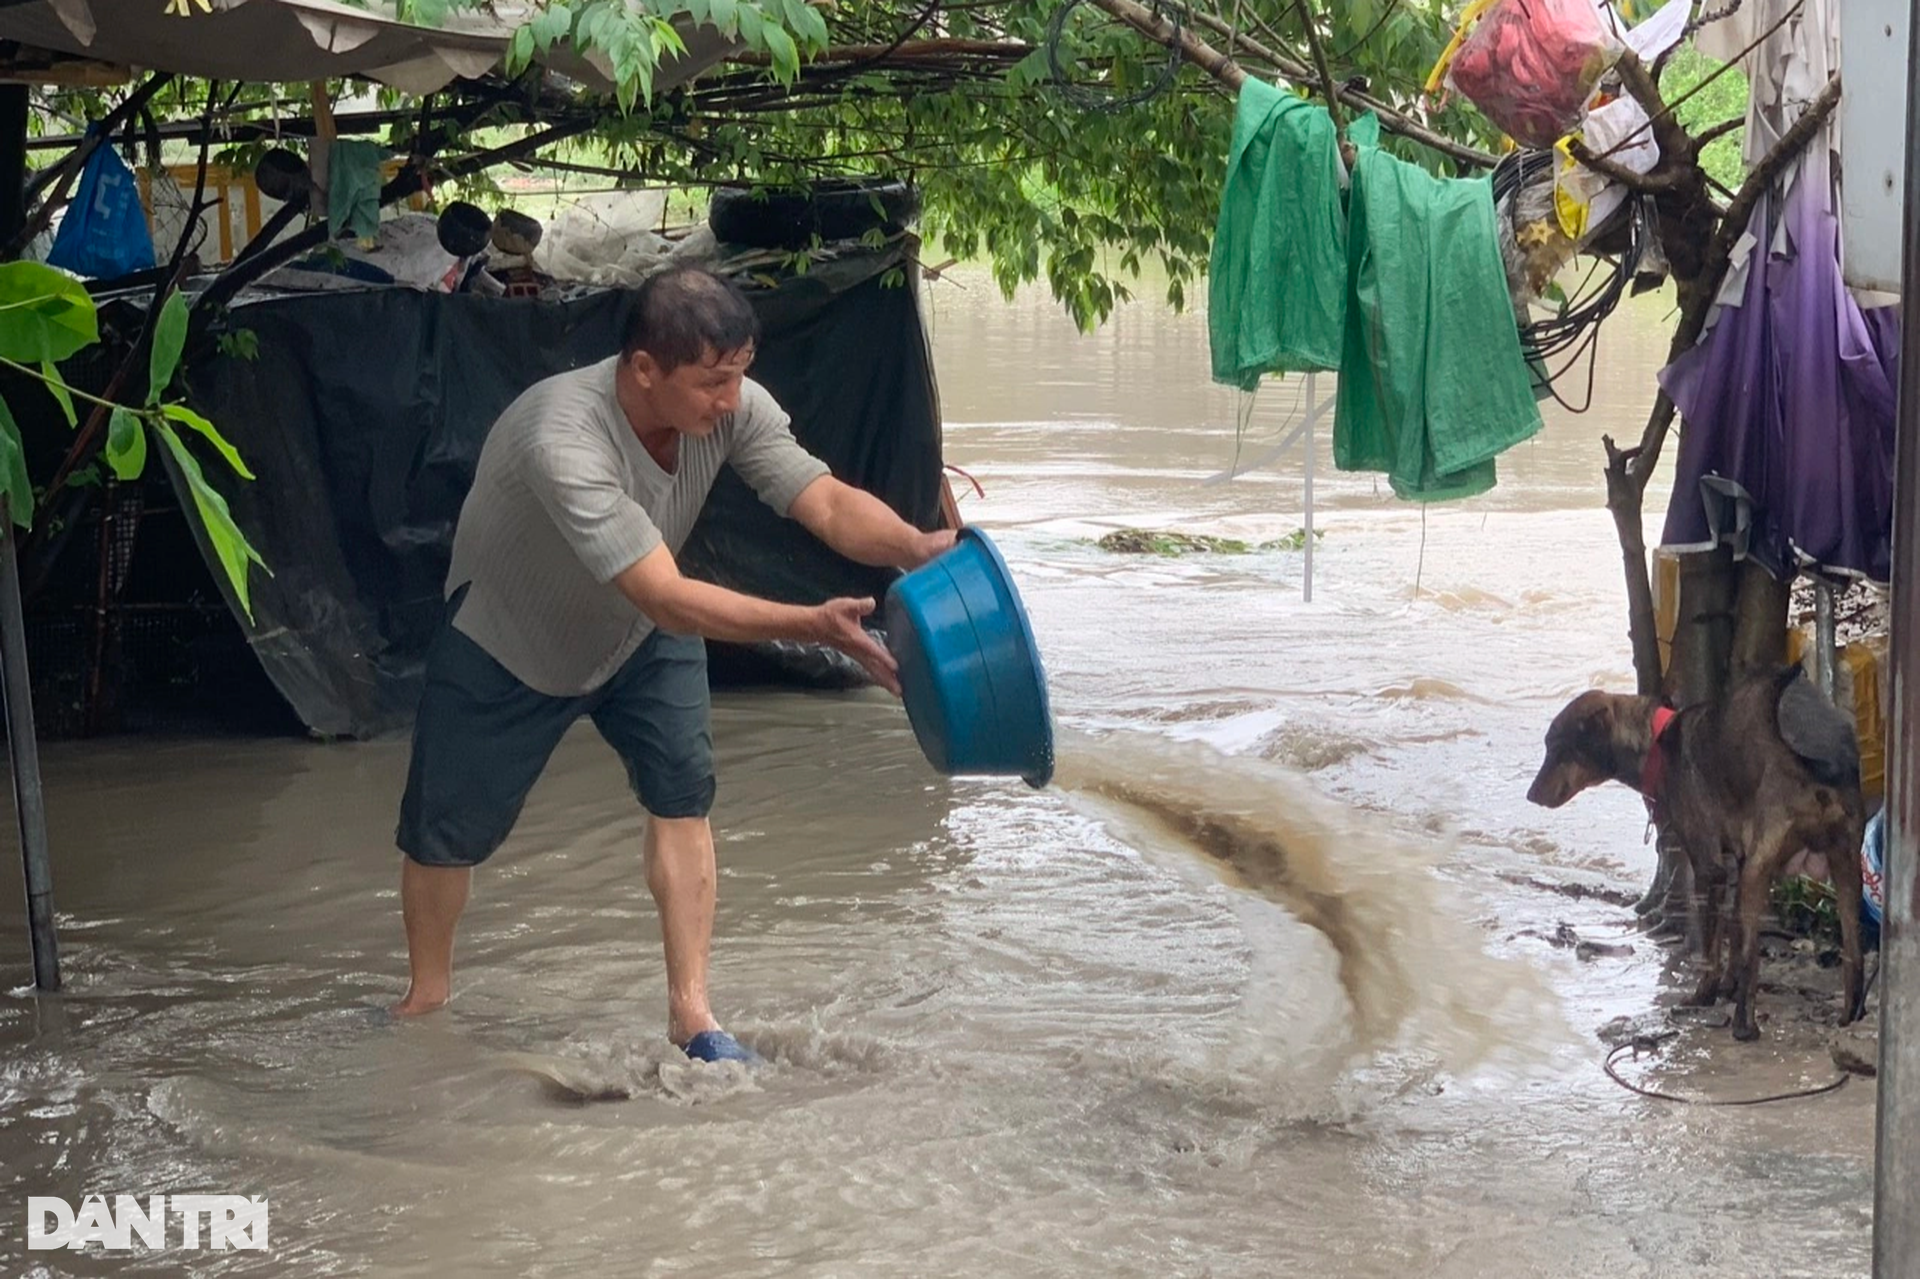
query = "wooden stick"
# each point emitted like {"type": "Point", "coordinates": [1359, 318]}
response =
{"type": "Point", "coordinates": [320, 155]}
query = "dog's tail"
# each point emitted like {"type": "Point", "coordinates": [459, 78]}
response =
{"type": "Point", "coordinates": [1816, 730]}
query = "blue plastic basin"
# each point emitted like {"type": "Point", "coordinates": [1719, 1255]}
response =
{"type": "Point", "coordinates": [970, 672]}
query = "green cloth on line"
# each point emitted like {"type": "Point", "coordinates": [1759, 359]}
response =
{"type": "Point", "coordinates": [1433, 384]}
{"type": "Point", "coordinates": [1276, 291]}
{"type": "Point", "coordinates": [353, 188]}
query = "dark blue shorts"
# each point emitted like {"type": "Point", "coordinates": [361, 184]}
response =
{"type": "Point", "coordinates": [482, 738]}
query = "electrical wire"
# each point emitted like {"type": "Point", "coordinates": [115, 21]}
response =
{"type": "Point", "coordinates": [1092, 100]}
{"type": "Point", "coordinates": [1572, 332]}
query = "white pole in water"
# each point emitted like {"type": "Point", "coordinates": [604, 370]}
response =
{"type": "Point", "coordinates": [1313, 414]}
{"type": "Point", "coordinates": [1896, 1182]}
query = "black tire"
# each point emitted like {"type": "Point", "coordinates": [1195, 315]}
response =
{"type": "Point", "coordinates": [832, 210]}
{"type": "Point", "coordinates": [463, 229]}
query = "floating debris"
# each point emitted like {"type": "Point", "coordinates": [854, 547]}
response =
{"type": "Point", "coordinates": [1140, 541]}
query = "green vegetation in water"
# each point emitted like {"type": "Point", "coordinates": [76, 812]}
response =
{"type": "Point", "coordinates": [1140, 541]}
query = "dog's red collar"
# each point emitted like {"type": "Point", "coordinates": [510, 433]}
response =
{"type": "Point", "coordinates": [1653, 776]}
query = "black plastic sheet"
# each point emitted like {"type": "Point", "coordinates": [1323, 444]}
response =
{"type": "Point", "coordinates": [364, 415]}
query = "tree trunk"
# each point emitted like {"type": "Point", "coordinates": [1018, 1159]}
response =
{"type": "Point", "coordinates": [1703, 629]}
{"type": "Point", "coordinates": [1760, 623]}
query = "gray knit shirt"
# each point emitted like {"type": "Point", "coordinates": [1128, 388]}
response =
{"type": "Point", "coordinates": [566, 498]}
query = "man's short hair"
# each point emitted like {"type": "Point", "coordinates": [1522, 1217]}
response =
{"type": "Point", "coordinates": [683, 315]}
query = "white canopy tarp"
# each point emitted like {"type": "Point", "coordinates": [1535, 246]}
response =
{"type": "Point", "coordinates": [293, 41]}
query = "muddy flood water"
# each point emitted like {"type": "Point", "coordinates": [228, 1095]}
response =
{"type": "Point", "coordinates": [1044, 1033]}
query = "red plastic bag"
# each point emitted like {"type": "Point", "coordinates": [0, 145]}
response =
{"type": "Point", "coordinates": [1531, 66]}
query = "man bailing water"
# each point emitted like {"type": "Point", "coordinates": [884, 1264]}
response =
{"type": "Point", "coordinates": [563, 600]}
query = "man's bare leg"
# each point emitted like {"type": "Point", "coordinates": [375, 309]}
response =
{"type": "Point", "coordinates": [680, 873]}
{"type": "Point", "coordinates": [431, 899]}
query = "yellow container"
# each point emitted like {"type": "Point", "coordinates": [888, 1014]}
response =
{"type": "Point", "coordinates": [237, 208]}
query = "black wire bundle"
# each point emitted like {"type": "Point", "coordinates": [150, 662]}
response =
{"type": "Point", "coordinates": [1090, 100]}
{"type": "Point", "coordinates": [1575, 330]}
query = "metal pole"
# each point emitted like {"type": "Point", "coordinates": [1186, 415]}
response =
{"type": "Point", "coordinates": [1824, 643]}
{"type": "Point", "coordinates": [1896, 1182]}
{"type": "Point", "coordinates": [24, 753]}
{"type": "Point", "coordinates": [1313, 414]}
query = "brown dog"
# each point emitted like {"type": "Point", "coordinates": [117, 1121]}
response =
{"type": "Point", "coordinates": [1769, 771]}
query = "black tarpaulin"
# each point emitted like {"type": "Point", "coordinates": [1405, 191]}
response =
{"type": "Point", "coordinates": [363, 417]}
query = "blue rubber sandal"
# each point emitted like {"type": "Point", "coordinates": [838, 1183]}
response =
{"type": "Point", "coordinates": [718, 1045]}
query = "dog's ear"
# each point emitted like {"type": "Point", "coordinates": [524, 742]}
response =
{"type": "Point", "coordinates": [1585, 724]}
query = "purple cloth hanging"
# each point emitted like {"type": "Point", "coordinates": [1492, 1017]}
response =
{"type": "Point", "coordinates": [1788, 410]}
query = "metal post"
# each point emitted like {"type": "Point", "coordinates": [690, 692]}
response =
{"type": "Point", "coordinates": [1313, 414]}
{"type": "Point", "coordinates": [1896, 1183]}
{"type": "Point", "coordinates": [1825, 645]}
{"type": "Point", "coordinates": [24, 751]}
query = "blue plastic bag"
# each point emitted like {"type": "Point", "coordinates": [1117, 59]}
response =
{"type": "Point", "coordinates": [1873, 868]}
{"type": "Point", "coordinates": [104, 233]}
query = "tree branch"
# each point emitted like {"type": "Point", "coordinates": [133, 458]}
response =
{"type": "Point", "coordinates": [1327, 86]}
{"type": "Point", "coordinates": [1198, 52]}
{"type": "Point", "coordinates": [1667, 129]}
{"type": "Point", "coordinates": [912, 50]}
{"type": "Point", "coordinates": [1668, 133]}
{"type": "Point", "coordinates": [1624, 496]}
{"type": "Point", "coordinates": [1390, 119]}
{"type": "Point", "coordinates": [1614, 171]}
{"type": "Point", "coordinates": [1718, 131]}
{"type": "Point", "coordinates": [1765, 173]}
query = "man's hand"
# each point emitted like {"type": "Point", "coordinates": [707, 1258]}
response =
{"type": "Point", "coordinates": [839, 625]}
{"type": "Point", "coordinates": [931, 546]}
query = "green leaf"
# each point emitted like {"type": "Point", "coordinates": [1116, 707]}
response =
{"type": "Point", "coordinates": [667, 39]}
{"type": "Point", "coordinates": [1032, 69]}
{"type": "Point", "coordinates": [725, 15]}
{"type": "Point", "coordinates": [805, 22]}
{"type": "Point", "coordinates": [60, 392]}
{"type": "Point", "coordinates": [519, 50]}
{"type": "Point", "coordinates": [169, 339]}
{"type": "Point", "coordinates": [553, 24]}
{"type": "Point", "coordinates": [786, 58]}
{"type": "Point", "coordinates": [753, 26]}
{"type": "Point", "coordinates": [230, 545]}
{"type": "Point", "coordinates": [44, 314]}
{"type": "Point", "coordinates": [181, 413]}
{"type": "Point", "coordinates": [126, 444]}
{"type": "Point", "coordinates": [241, 344]}
{"type": "Point", "coordinates": [15, 484]}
